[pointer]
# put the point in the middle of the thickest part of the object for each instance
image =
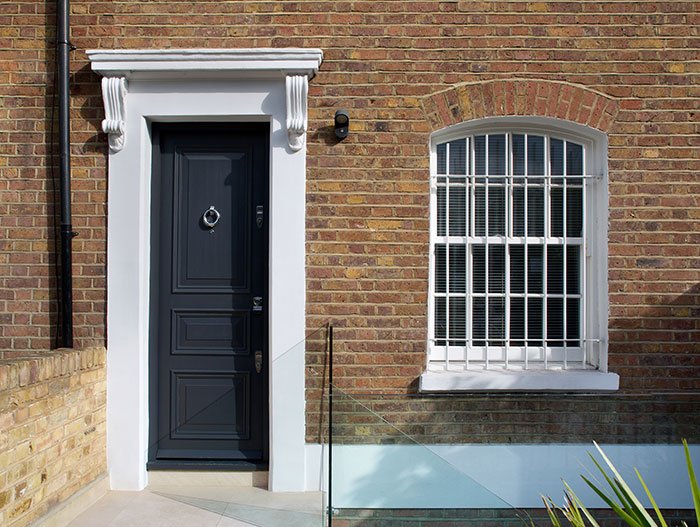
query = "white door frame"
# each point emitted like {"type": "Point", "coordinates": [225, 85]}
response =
{"type": "Point", "coordinates": [144, 86]}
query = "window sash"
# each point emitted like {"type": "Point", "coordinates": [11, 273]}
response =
{"type": "Point", "coordinates": [467, 164]}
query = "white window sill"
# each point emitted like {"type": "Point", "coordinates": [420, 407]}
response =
{"type": "Point", "coordinates": [436, 381]}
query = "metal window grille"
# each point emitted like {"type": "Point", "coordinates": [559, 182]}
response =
{"type": "Point", "coordinates": [509, 254]}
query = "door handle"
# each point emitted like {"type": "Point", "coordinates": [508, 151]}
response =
{"type": "Point", "coordinates": [258, 361]}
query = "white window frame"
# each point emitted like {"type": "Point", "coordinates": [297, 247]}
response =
{"type": "Point", "coordinates": [441, 374]}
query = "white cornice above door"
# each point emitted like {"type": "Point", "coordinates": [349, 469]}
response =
{"type": "Point", "coordinates": [296, 65]}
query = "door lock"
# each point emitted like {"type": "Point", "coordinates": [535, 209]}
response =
{"type": "Point", "coordinates": [259, 216]}
{"type": "Point", "coordinates": [258, 361]}
{"type": "Point", "coordinates": [257, 304]}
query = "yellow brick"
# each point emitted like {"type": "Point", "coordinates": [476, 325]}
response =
{"type": "Point", "coordinates": [677, 67]}
{"type": "Point", "coordinates": [355, 272]}
{"type": "Point", "coordinates": [5, 497]}
{"type": "Point", "coordinates": [538, 7]}
{"type": "Point", "coordinates": [20, 509]}
{"type": "Point", "coordinates": [38, 408]}
{"type": "Point", "coordinates": [383, 225]}
{"type": "Point", "coordinates": [19, 453]}
{"type": "Point", "coordinates": [649, 43]}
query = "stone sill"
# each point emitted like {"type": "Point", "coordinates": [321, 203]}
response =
{"type": "Point", "coordinates": [23, 368]}
{"type": "Point", "coordinates": [464, 381]}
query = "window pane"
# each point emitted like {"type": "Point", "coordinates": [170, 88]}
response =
{"type": "Point", "coordinates": [442, 158]}
{"type": "Point", "coordinates": [458, 156]}
{"type": "Point", "coordinates": [517, 321]}
{"type": "Point", "coordinates": [458, 204]}
{"type": "Point", "coordinates": [535, 210]}
{"type": "Point", "coordinates": [555, 269]}
{"type": "Point", "coordinates": [573, 269]}
{"type": "Point", "coordinates": [479, 269]}
{"type": "Point", "coordinates": [497, 321]}
{"type": "Point", "coordinates": [518, 155]}
{"type": "Point", "coordinates": [574, 159]}
{"type": "Point", "coordinates": [458, 268]}
{"type": "Point", "coordinates": [556, 213]}
{"type": "Point", "coordinates": [517, 269]}
{"type": "Point", "coordinates": [440, 271]}
{"type": "Point", "coordinates": [497, 155]}
{"type": "Point", "coordinates": [535, 155]}
{"type": "Point", "coordinates": [573, 332]}
{"type": "Point", "coordinates": [497, 210]}
{"type": "Point", "coordinates": [440, 321]}
{"type": "Point", "coordinates": [441, 210]}
{"type": "Point", "coordinates": [479, 321]}
{"type": "Point", "coordinates": [480, 155]}
{"type": "Point", "coordinates": [534, 321]}
{"type": "Point", "coordinates": [556, 156]}
{"type": "Point", "coordinates": [518, 211]}
{"type": "Point", "coordinates": [458, 321]}
{"type": "Point", "coordinates": [534, 268]}
{"type": "Point", "coordinates": [574, 212]}
{"type": "Point", "coordinates": [479, 210]}
{"type": "Point", "coordinates": [497, 268]}
{"type": "Point", "coordinates": [555, 321]}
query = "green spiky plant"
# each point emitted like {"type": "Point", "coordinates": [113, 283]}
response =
{"type": "Point", "coordinates": [625, 504]}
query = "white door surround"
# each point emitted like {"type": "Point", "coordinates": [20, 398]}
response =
{"type": "Point", "coordinates": [145, 86]}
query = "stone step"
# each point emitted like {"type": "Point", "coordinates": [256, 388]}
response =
{"type": "Point", "coordinates": [197, 478]}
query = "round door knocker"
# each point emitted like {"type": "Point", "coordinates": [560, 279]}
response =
{"type": "Point", "coordinates": [211, 217]}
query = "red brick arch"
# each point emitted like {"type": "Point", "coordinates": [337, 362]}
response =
{"type": "Point", "coordinates": [496, 98]}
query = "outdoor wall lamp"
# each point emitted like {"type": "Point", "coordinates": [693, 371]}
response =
{"type": "Point", "coordinates": [341, 124]}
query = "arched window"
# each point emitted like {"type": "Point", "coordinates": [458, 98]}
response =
{"type": "Point", "coordinates": [518, 278]}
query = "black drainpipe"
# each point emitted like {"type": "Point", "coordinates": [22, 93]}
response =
{"type": "Point", "coordinates": [66, 299]}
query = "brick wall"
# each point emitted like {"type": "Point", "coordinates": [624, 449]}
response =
{"type": "Point", "coordinates": [29, 187]}
{"type": "Point", "coordinates": [52, 429]}
{"type": "Point", "coordinates": [387, 63]}
{"type": "Point", "coordinates": [507, 419]}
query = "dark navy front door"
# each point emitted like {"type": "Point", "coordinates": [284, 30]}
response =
{"type": "Point", "coordinates": [209, 273]}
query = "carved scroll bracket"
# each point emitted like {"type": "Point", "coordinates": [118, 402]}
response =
{"type": "Point", "coordinates": [114, 124]}
{"type": "Point", "coordinates": [297, 87]}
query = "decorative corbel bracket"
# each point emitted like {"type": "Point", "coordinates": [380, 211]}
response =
{"type": "Point", "coordinates": [297, 87]}
{"type": "Point", "coordinates": [114, 124]}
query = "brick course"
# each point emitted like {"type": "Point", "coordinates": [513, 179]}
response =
{"type": "Point", "coordinates": [477, 517]}
{"type": "Point", "coordinates": [52, 429]}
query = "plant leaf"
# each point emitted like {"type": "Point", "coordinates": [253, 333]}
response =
{"type": "Point", "coordinates": [549, 504]}
{"type": "Point", "coordinates": [624, 503]}
{"type": "Point", "coordinates": [637, 506]}
{"type": "Point", "coordinates": [693, 482]}
{"type": "Point", "coordinates": [640, 513]}
{"type": "Point", "coordinates": [651, 499]}
{"type": "Point", "coordinates": [584, 509]}
{"type": "Point", "coordinates": [628, 518]}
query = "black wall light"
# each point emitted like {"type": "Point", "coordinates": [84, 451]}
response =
{"type": "Point", "coordinates": [341, 124]}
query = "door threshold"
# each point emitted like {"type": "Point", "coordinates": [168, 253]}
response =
{"type": "Point", "coordinates": [207, 478]}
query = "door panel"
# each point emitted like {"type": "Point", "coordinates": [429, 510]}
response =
{"type": "Point", "coordinates": [202, 260]}
{"type": "Point", "coordinates": [207, 332]}
{"type": "Point", "coordinates": [208, 401]}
